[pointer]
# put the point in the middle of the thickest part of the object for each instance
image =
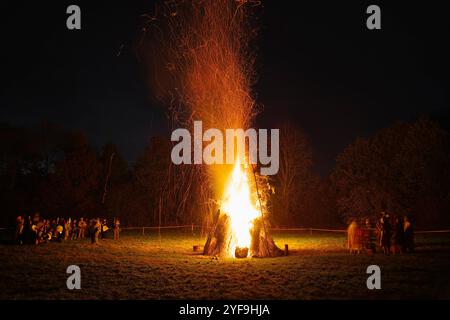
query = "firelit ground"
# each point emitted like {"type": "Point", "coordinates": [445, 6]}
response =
{"type": "Point", "coordinates": [149, 267]}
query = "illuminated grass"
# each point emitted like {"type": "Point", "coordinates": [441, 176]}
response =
{"type": "Point", "coordinates": [142, 267]}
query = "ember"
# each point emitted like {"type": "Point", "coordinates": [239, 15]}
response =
{"type": "Point", "coordinates": [203, 68]}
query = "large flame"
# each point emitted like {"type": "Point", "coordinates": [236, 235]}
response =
{"type": "Point", "coordinates": [237, 204]}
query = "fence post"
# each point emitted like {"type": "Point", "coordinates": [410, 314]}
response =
{"type": "Point", "coordinates": [143, 230]}
{"type": "Point", "coordinates": [192, 228]}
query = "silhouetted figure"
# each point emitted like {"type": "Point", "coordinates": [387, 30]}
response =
{"type": "Point", "coordinates": [408, 235]}
{"type": "Point", "coordinates": [369, 237]}
{"type": "Point", "coordinates": [398, 239]}
{"type": "Point", "coordinates": [27, 232]}
{"type": "Point", "coordinates": [82, 228]}
{"type": "Point", "coordinates": [103, 229]}
{"type": "Point", "coordinates": [116, 228]}
{"type": "Point", "coordinates": [18, 237]}
{"type": "Point", "coordinates": [67, 228]}
{"type": "Point", "coordinates": [74, 235]}
{"type": "Point", "coordinates": [386, 233]}
{"type": "Point", "coordinates": [95, 230]}
{"type": "Point", "coordinates": [353, 238]}
{"type": "Point", "coordinates": [59, 232]}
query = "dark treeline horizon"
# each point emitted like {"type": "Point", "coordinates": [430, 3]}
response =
{"type": "Point", "coordinates": [403, 169]}
{"type": "Point", "coordinates": [350, 101]}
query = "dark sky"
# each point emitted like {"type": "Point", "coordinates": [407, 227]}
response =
{"type": "Point", "coordinates": [318, 65]}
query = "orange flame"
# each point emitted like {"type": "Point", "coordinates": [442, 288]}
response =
{"type": "Point", "coordinates": [237, 204]}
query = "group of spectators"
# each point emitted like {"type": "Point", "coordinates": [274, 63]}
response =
{"type": "Point", "coordinates": [35, 229]}
{"type": "Point", "coordinates": [391, 234]}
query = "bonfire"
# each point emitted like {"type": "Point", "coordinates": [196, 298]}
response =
{"type": "Point", "coordinates": [239, 228]}
{"type": "Point", "coordinates": [202, 62]}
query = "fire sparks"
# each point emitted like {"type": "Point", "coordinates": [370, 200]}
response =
{"type": "Point", "coordinates": [237, 204]}
{"type": "Point", "coordinates": [202, 63]}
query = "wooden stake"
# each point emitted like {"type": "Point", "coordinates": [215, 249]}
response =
{"type": "Point", "coordinates": [260, 208]}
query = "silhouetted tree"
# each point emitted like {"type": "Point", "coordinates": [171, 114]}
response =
{"type": "Point", "coordinates": [149, 178]}
{"type": "Point", "coordinates": [294, 178]}
{"type": "Point", "coordinates": [403, 169]}
{"type": "Point", "coordinates": [114, 180]}
{"type": "Point", "coordinates": [73, 189]}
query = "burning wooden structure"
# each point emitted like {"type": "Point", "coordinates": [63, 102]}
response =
{"type": "Point", "coordinates": [239, 228]}
{"type": "Point", "coordinates": [201, 59]}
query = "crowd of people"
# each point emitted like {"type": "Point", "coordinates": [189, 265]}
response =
{"type": "Point", "coordinates": [35, 229]}
{"type": "Point", "coordinates": [390, 234]}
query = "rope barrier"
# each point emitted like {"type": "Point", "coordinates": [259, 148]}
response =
{"type": "Point", "coordinates": [274, 229]}
{"type": "Point", "coordinates": [433, 231]}
{"type": "Point", "coordinates": [308, 229]}
{"type": "Point", "coordinates": [156, 228]}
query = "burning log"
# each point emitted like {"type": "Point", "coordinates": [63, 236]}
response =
{"type": "Point", "coordinates": [220, 240]}
{"type": "Point", "coordinates": [241, 252]}
{"type": "Point", "coordinates": [262, 242]}
{"type": "Point", "coordinates": [215, 244]}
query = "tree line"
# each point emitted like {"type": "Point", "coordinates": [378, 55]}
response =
{"type": "Point", "coordinates": [403, 169]}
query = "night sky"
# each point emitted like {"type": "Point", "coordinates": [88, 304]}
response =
{"type": "Point", "coordinates": [318, 66]}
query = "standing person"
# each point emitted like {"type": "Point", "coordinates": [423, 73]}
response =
{"type": "Point", "coordinates": [74, 229]}
{"type": "Point", "coordinates": [370, 237]}
{"type": "Point", "coordinates": [34, 234]}
{"type": "Point", "coordinates": [116, 228]}
{"type": "Point", "coordinates": [408, 234]}
{"type": "Point", "coordinates": [386, 233]}
{"type": "Point", "coordinates": [27, 232]}
{"type": "Point", "coordinates": [398, 236]}
{"type": "Point", "coordinates": [81, 228]}
{"type": "Point", "coordinates": [59, 231]}
{"type": "Point", "coordinates": [67, 228]}
{"type": "Point", "coordinates": [95, 230]}
{"type": "Point", "coordinates": [353, 241]}
{"type": "Point", "coordinates": [104, 228]}
{"type": "Point", "coordinates": [47, 233]}
{"type": "Point", "coordinates": [19, 230]}
{"type": "Point", "coordinates": [35, 228]}
{"type": "Point", "coordinates": [41, 231]}
{"type": "Point", "coordinates": [53, 227]}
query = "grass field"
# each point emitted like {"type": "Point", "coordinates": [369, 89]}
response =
{"type": "Point", "coordinates": [147, 267]}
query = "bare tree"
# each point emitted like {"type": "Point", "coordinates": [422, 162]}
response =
{"type": "Point", "coordinates": [294, 175]}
